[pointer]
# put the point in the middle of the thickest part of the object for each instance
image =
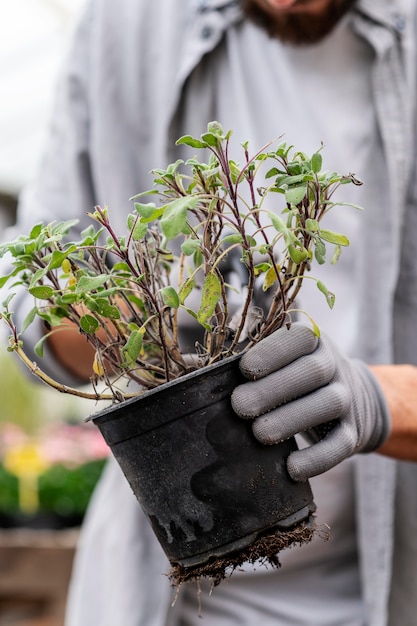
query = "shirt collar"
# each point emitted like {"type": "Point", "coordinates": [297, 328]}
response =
{"type": "Point", "coordinates": [395, 14]}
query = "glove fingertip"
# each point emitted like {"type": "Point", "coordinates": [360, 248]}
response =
{"type": "Point", "coordinates": [277, 350]}
{"type": "Point", "coordinates": [241, 404]}
{"type": "Point", "coordinates": [296, 471]}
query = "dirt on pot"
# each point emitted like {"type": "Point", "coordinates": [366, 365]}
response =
{"type": "Point", "coordinates": [264, 549]}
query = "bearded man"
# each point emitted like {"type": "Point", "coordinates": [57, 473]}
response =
{"type": "Point", "coordinates": [139, 75]}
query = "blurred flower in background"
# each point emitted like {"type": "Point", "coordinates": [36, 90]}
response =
{"type": "Point", "coordinates": [50, 460]}
{"type": "Point", "coordinates": [47, 478]}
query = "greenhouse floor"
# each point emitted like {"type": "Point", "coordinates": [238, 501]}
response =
{"type": "Point", "coordinates": [35, 568]}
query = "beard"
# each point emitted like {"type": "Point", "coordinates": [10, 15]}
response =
{"type": "Point", "coordinates": [301, 28]}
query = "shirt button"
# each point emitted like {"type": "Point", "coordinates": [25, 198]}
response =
{"type": "Point", "coordinates": [206, 32]}
{"type": "Point", "coordinates": [399, 22]}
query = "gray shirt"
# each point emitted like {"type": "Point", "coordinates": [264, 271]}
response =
{"type": "Point", "coordinates": [292, 95]}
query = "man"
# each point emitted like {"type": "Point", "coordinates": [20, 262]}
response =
{"type": "Point", "coordinates": [343, 72]}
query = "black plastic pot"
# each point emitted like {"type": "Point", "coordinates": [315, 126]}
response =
{"type": "Point", "coordinates": [207, 486]}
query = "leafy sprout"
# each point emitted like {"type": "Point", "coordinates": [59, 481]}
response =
{"type": "Point", "coordinates": [211, 220]}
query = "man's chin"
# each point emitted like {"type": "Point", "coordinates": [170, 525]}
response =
{"type": "Point", "coordinates": [301, 27]}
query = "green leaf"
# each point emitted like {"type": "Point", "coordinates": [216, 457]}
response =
{"type": "Point", "coordinates": [58, 257]}
{"type": "Point", "coordinates": [190, 246]}
{"type": "Point", "coordinates": [122, 267]}
{"type": "Point", "coordinates": [281, 227]}
{"type": "Point", "coordinates": [30, 317]}
{"type": "Point", "coordinates": [294, 168]}
{"type": "Point", "coordinates": [90, 303]}
{"type": "Point", "coordinates": [190, 141]}
{"type": "Point", "coordinates": [170, 297]}
{"type": "Point", "coordinates": [295, 195]}
{"type": "Point", "coordinates": [272, 172]}
{"type": "Point", "coordinates": [173, 167]}
{"type": "Point", "coordinates": [6, 302]}
{"type": "Point", "coordinates": [39, 346]}
{"type": "Point", "coordinates": [336, 254]}
{"type": "Point", "coordinates": [62, 228]}
{"type": "Point", "coordinates": [211, 293]}
{"type": "Point", "coordinates": [133, 346]}
{"type": "Point", "coordinates": [235, 171]}
{"type": "Point", "coordinates": [53, 317]}
{"type": "Point", "coordinates": [136, 227]}
{"type": "Point", "coordinates": [297, 254]}
{"type": "Point", "coordinates": [269, 279]}
{"type": "Point", "coordinates": [104, 308]}
{"type": "Point", "coordinates": [261, 268]}
{"type": "Point", "coordinates": [194, 315]}
{"type": "Point", "coordinates": [174, 219]}
{"type": "Point", "coordinates": [320, 251]}
{"type": "Point", "coordinates": [148, 211]}
{"type": "Point", "coordinates": [89, 234]}
{"type": "Point", "coordinates": [106, 293]}
{"type": "Point", "coordinates": [148, 192]}
{"type": "Point", "coordinates": [43, 292]}
{"type": "Point", "coordinates": [217, 129]}
{"type": "Point", "coordinates": [316, 162]}
{"type": "Point", "coordinates": [330, 297]}
{"type": "Point", "coordinates": [230, 240]}
{"type": "Point", "coordinates": [69, 298]}
{"type": "Point", "coordinates": [278, 223]}
{"type": "Point", "coordinates": [292, 181]}
{"type": "Point", "coordinates": [185, 289]}
{"type": "Point", "coordinates": [37, 276]}
{"type": "Point", "coordinates": [89, 324]}
{"type": "Point", "coordinates": [36, 231]}
{"type": "Point", "coordinates": [316, 329]}
{"type": "Point", "coordinates": [198, 258]}
{"type": "Point", "coordinates": [312, 225]}
{"type": "Point", "coordinates": [332, 237]}
{"type": "Point", "coordinates": [5, 278]}
{"type": "Point", "coordinates": [134, 299]}
{"type": "Point", "coordinates": [91, 283]}
{"type": "Point", "coordinates": [210, 140]}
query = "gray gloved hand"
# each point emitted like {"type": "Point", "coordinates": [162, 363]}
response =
{"type": "Point", "coordinates": [303, 384]}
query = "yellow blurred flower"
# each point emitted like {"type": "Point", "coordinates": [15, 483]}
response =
{"type": "Point", "coordinates": [27, 463]}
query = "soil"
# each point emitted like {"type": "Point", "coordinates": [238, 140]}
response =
{"type": "Point", "coordinates": [264, 549]}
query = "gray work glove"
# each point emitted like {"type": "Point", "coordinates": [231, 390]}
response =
{"type": "Point", "coordinates": [302, 384]}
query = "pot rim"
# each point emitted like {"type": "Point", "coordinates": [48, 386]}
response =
{"type": "Point", "coordinates": [213, 367]}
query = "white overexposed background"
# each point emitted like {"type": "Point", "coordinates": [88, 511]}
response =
{"type": "Point", "coordinates": [34, 35]}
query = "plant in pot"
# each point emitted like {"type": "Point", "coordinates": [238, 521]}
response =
{"type": "Point", "coordinates": [224, 248]}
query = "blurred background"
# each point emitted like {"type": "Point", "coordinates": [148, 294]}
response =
{"type": "Point", "coordinates": [50, 460]}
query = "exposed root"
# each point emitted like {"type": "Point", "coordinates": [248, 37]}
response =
{"type": "Point", "coordinates": [264, 549]}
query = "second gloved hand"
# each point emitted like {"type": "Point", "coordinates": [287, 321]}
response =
{"type": "Point", "coordinates": [299, 383]}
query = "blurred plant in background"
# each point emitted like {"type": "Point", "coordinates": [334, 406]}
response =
{"type": "Point", "coordinates": [50, 461]}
